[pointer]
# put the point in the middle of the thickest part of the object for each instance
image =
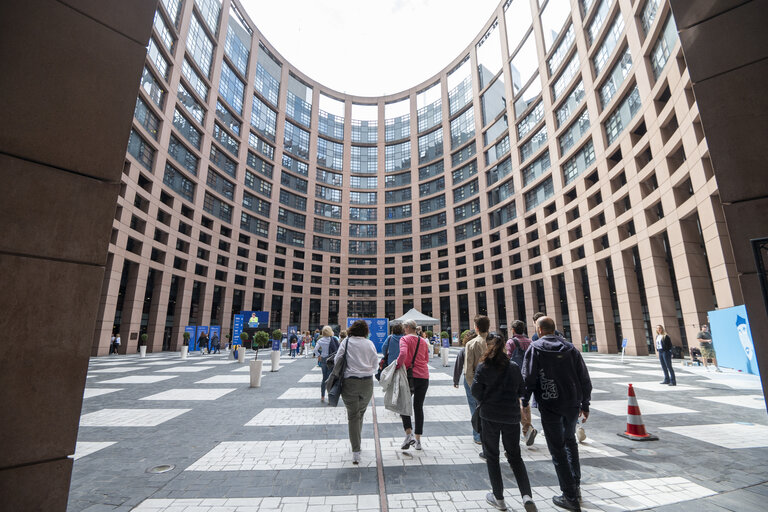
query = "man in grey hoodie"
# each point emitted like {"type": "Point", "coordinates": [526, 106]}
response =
{"type": "Point", "coordinates": [555, 373]}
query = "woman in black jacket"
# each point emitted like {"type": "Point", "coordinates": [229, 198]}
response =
{"type": "Point", "coordinates": [497, 387]}
{"type": "Point", "coordinates": [664, 348]}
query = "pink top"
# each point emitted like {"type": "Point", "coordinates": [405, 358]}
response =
{"type": "Point", "coordinates": [407, 348]}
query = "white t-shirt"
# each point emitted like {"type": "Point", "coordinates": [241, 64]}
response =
{"type": "Point", "coordinates": [362, 358]}
{"type": "Point", "coordinates": [659, 341]}
{"type": "Point", "coordinates": [117, 340]}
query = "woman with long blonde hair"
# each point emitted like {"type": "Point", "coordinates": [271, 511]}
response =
{"type": "Point", "coordinates": [664, 348]}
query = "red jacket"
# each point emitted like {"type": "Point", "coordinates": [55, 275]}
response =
{"type": "Point", "coordinates": [407, 348]}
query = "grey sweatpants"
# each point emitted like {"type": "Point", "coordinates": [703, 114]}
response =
{"type": "Point", "coordinates": [356, 394]}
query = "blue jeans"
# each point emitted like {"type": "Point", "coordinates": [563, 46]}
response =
{"type": "Point", "coordinates": [559, 430]}
{"type": "Point", "coordinates": [665, 356]}
{"type": "Point", "coordinates": [326, 374]}
{"type": "Point", "coordinates": [472, 406]}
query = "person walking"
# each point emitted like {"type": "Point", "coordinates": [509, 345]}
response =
{"type": "Point", "coordinates": [391, 347]}
{"type": "Point", "coordinates": [707, 349]}
{"type": "Point", "coordinates": [112, 345]}
{"type": "Point", "coordinates": [516, 347]}
{"type": "Point", "coordinates": [326, 345]}
{"type": "Point", "coordinates": [357, 387]}
{"type": "Point", "coordinates": [498, 387]}
{"type": "Point", "coordinates": [117, 344]}
{"type": "Point", "coordinates": [555, 373]}
{"type": "Point", "coordinates": [414, 355]}
{"type": "Point", "coordinates": [664, 348]}
{"type": "Point", "coordinates": [216, 343]}
{"type": "Point", "coordinates": [473, 351]}
{"type": "Point", "coordinates": [458, 364]}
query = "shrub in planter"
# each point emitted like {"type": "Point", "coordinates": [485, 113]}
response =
{"type": "Point", "coordinates": [261, 339]}
{"type": "Point", "coordinates": [444, 335]}
{"type": "Point", "coordinates": [185, 338]}
{"type": "Point", "coordinates": [244, 337]}
{"type": "Point", "coordinates": [463, 334]}
{"type": "Point", "coordinates": [429, 334]}
{"type": "Point", "coordinates": [143, 340]}
{"type": "Point", "coordinates": [277, 334]}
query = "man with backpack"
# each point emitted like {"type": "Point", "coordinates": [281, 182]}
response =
{"type": "Point", "coordinates": [517, 345]}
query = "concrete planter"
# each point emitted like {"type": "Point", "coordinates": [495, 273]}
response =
{"type": "Point", "coordinates": [143, 351]}
{"type": "Point", "coordinates": [275, 356]}
{"type": "Point", "coordinates": [241, 355]}
{"type": "Point", "coordinates": [255, 370]}
{"type": "Point", "coordinates": [184, 351]}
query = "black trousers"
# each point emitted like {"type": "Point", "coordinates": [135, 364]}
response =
{"type": "Point", "coordinates": [420, 387]}
{"type": "Point", "coordinates": [560, 433]}
{"type": "Point", "coordinates": [510, 438]}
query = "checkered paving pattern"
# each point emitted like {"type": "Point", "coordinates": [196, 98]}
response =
{"type": "Point", "coordinates": [236, 448]}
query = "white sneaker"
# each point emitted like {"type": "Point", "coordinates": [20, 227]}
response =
{"type": "Point", "coordinates": [498, 504]}
{"type": "Point", "coordinates": [408, 441]}
{"type": "Point", "coordinates": [580, 434]}
{"type": "Point", "coordinates": [529, 505]}
{"type": "Point", "coordinates": [356, 457]}
{"type": "Point", "coordinates": [417, 444]}
{"type": "Point", "coordinates": [718, 370]}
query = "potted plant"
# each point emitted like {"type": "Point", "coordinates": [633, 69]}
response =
{"type": "Point", "coordinates": [261, 339]}
{"type": "Point", "coordinates": [143, 345]}
{"type": "Point", "coordinates": [464, 333]}
{"type": "Point", "coordinates": [185, 345]}
{"type": "Point", "coordinates": [239, 353]}
{"type": "Point", "coordinates": [444, 335]}
{"type": "Point", "coordinates": [228, 337]}
{"type": "Point", "coordinates": [277, 334]}
{"type": "Point", "coordinates": [429, 334]}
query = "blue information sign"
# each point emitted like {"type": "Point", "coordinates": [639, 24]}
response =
{"type": "Point", "coordinates": [191, 329]}
{"type": "Point", "coordinates": [732, 339]}
{"type": "Point", "coordinates": [200, 330]}
{"type": "Point", "coordinates": [237, 328]}
{"type": "Point", "coordinates": [276, 345]}
{"type": "Point", "coordinates": [378, 327]}
{"type": "Point", "coordinates": [446, 342]}
{"type": "Point", "coordinates": [624, 343]}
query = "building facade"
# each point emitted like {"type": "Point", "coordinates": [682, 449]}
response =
{"type": "Point", "coordinates": [558, 164]}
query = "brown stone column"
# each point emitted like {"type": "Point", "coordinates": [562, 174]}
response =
{"type": "Point", "coordinates": [158, 311]}
{"type": "Point", "coordinates": [658, 288]}
{"type": "Point", "coordinates": [181, 315]}
{"type": "Point", "coordinates": [133, 305]}
{"type": "Point", "coordinates": [68, 84]}
{"type": "Point", "coordinates": [576, 309]}
{"type": "Point", "coordinates": [722, 263]}
{"type": "Point", "coordinates": [102, 334]}
{"type": "Point", "coordinates": [601, 307]}
{"type": "Point", "coordinates": [630, 305]}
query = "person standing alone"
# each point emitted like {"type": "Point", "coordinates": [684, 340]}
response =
{"type": "Point", "coordinates": [555, 373]}
{"type": "Point", "coordinates": [664, 348]}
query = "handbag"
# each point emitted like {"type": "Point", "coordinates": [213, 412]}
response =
{"type": "Point", "coordinates": [383, 361]}
{"type": "Point", "coordinates": [336, 379]}
{"type": "Point", "coordinates": [409, 371]}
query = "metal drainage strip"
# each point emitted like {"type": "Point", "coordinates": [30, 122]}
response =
{"type": "Point", "coordinates": [163, 468]}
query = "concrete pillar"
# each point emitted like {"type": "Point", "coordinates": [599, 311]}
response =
{"type": "Point", "coordinates": [658, 287]}
{"type": "Point", "coordinates": [133, 305]}
{"type": "Point", "coordinates": [102, 333]}
{"type": "Point", "coordinates": [576, 309]}
{"type": "Point", "coordinates": [181, 315]}
{"type": "Point", "coordinates": [630, 305]}
{"type": "Point", "coordinates": [602, 310]}
{"type": "Point", "coordinates": [722, 263]}
{"type": "Point", "coordinates": [158, 311]}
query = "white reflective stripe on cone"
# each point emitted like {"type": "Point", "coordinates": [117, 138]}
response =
{"type": "Point", "coordinates": [634, 420]}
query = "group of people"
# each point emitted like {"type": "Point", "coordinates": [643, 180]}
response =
{"type": "Point", "coordinates": [500, 378]}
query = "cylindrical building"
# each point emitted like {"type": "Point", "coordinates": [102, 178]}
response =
{"type": "Point", "coordinates": [558, 164]}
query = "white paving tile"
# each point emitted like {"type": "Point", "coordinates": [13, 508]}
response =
{"type": "Point", "coordinates": [313, 393]}
{"type": "Point", "coordinates": [190, 394]}
{"type": "Point", "coordinates": [111, 363]}
{"type": "Point", "coordinates": [184, 369]}
{"type": "Point", "coordinates": [163, 363]}
{"type": "Point", "coordinates": [603, 375]}
{"type": "Point", "coordinates": [92, 392]}
{"type": "Point", "coordinates": [610, 366]}
{"type": "Point", "coordinates": [336, 453]}
{"type": "Point", "coordinates": [83, 448]}
{"type": "Point", "coordinates": [619, 407]}
{"type": "Point", "coordinates": [117, 369]}
{"type": "Point", "coordinates": [219, 361]}
{"type": "Point", "coordinates": [227, 379]}
{"type": "Point", "coordinates": [727, 435]}
{"type": "Point", "coordinates": [751, 401]}
{"type": "Point", "coordinates": [363, 502]}
{"type": "Point", "coordinates": [139, 379]}
{"type": "Point", "coordinates": [656, 386]}
{"type": "Point", "coordinates": [655, 373]}
{"type": "Point", "coordinates": [129, 417]}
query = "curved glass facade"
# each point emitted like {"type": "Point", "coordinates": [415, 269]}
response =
{"type": "Point", "coordinates": [558, 164]}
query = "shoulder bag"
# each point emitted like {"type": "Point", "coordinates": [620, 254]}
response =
{"type": "Point", "coordinates": [409, 371]}
{"type": "Point", "coordinates": [383, 361]}
{"type": "Point", "coordinates": [336, 378]}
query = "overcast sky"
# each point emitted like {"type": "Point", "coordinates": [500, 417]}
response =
{"type": "Point", "coordinates": [365, 47]}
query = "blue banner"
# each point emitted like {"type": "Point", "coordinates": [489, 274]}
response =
{"type": "Point", "coordinates": [200, 330]}
{"type": "Point", "coordinates": [378, 327]}
{"type": "Point", "coordinates": [191, 329]}
{"type": "Point", "coordinates": [732, 339]}
{"type": "Point", "coordinates": [237, 328]}
{"type": "Point", "coordinates": [276, 345]}
{"type": "Point", "coordinates": [255, 319]}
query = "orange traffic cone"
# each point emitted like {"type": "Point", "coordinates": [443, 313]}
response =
{"type": "Point", "coordinates": [635, 427]}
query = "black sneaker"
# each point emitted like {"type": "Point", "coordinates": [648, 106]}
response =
{"type": "Point", "coordinates": [566, 503]}
{"type": "Point", "coordinates": [482, 456]}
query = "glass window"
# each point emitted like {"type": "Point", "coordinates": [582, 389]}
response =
{"type": "Point", "coordinates": [468, 230]}
{"type": "Point", "coordinates": [396, 229]}
{"type": "Point", "coordinates": [296, 201]}
{"type": "Point", "coordinates": [332, 211]}
{"type": "Point", "coordinates": [574, 132]}
{"type": "Point", "coordinates": [173, 8]}
{"type": "Point", "coordinates": [529, 95]}
{"type": "Point", "coordinates": [498, 171]}
{"type": "Point", "coordinates": [262, 147]}
{"type": "Point", "coordinates": [227, 118]}
{"type": "Point", "coordinates": [231, 88]}
{"type": "Point", "coordinates": [465, 172]}
{"type": "Point", "coordinates": [253, 225]}
{"type": "Point", "coordinates": [397, 180]}
{"type": "Point", "coordinates": [434, 240]}
{"type": "Point", "coordinates": [152, 87]}
{"type": "Point", "coordinates": [429, 111]}
{"type": "Point", "coordinates": [362, 182]}
{"type": "Point", "coordinates": [536, 169]}
{"type": "Point", "coordinates": [399, 245]}
{"type": "Point", "coordinates": [615, 78]}
{"type": "Point", "coordinates": [571, 70]}
{"type": "Point", "coordinates": [321, 243]}
{"type": "Point", "coordinates": [329, 194]}
{"type": "Point", "coordinates": [539, 194]}
{"type": "Point", "coordinates": [431, 146]}
{"type": "Point", "coordinates": [220, 184]}
{"type": "Point", "coordinates": [571, 103]}
{"type": "Point", "coordinates": [431, 170]}
{"type": "Point", "coordinates": [147, 118]}
{"type": "Point", "coordinates": [141, 150]}
{"type": "Point", "coordinates": [460, 86]}
{"type": "Point", "coordinates": [517, 16]}
{"type": "Point", "coordinates": [435, 221]}
{"type": "Point", "coordinates": [361, 247]}
{"type": "Point", "coordinates": [624, 113]}
{"type": "Point", "coordinates": [194, 79]}
{"type": "Point", "coordinates": [663, 47]}
{"type": "Point", "coordinates": [331, 117]}
{"type": "Point", "coordinates": [489, 55]}
{"type": "Point", "coordinates": [503, 215]}
{"type": "Point", "coordinates": [217, 207]}
{"type": "Point", "coordinates": [294, 165]}
{"type": "Point", "coordinates": [495, 131]}
{"type": "Point", "coordinates": [463, 155]}
{"type": "Point", "coordinates": [267, 75]}
{"type": "Point", "coordinates": [466, 210]}
{"type": "Point", "coordinates": [397, 157]}
{"type": "Point", "coordinates": [579, 162]}
{"type": "Point", "coordinates": [330, 154]}
{"type": "Point", "coordinates": [290, 218]}
{"type": "Point", "coordinates": [397, 120]}
{"type": "Point", "coordinates": [259, 165]}
{"type": "Point", "coordinates": [562, 50]}
{"type": "Point", "coordinates": [327, 227]}
{"type": "Point", "coordinates": [210, 10]}
{"type": "Point", "coordinates": [263, 119]}
{"type": "Point", "coordinates": [299, 106]}
{"type": "Point", "coordinates": [364, 159]}
{"type": "Point", "coordinates": [257, 184]}
{"type": "Point", "coordinates": [200, 47]}
{"type": "Point", "coordinates": [398, 212]}
{"type": "Point", "coordinates": [291, 181]}
{"type": "Point", "coordinates": [609, 44]}
{"type": "Point", "coordinates": [187, 129]}
{"type": "Point", "coordinates": [525, 126]}
{"type": "Point", "coordinates": [181, 154]}
{"type": "Point", "coordinates": [365, 123]}
{"type": "Point", "coordinates": [432, 187]}
{"type": "Point", "coordinates": [296, 140]}
{"type": "Point", "coordinates": [256, 204]}
{"type": "Point", "coordinates": [166, 36]}
{"type": "Point", "coordinates": [493, 101]}
{"type": "Point", "coordinates": [553, 18]}
{"type": "Point", "coordinates": [222, 161]}
{"type": "Point", "coordinates": [368, 214]}
{"type": "Point", "coordinates": [179, 183]}
{"type": "Point", "coordinates": [501, 193]}
{"type": "Point", "coordinates": [498, 150]}
{"type": "Point", "coordinates": [363, 197]}
{"type": "Point", "coordinates": [430, 205]}
{"type": "Point", "coordinates": [650, 10]}
{"type": "Point", "coordinates": [524, 64]}
{"type": "Point", "coordinates": [335, 179]}
{"type": "Point", "coordinates": [534, 143]}
{"type": "Point", "coordinates": [238, 43]}
{"type": "Point", "coordinates": [190, 104]}
{"type": "Point", "coordinates": [597, 21]}
{"type": "Point", "coordinates": [362, 230]}
{"type": "Point", "coordinates": [290, 237]}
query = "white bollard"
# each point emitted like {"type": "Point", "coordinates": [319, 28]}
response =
{"type": "Point", "coordinates": [241, 354]}
{"type": "Point", "coordinates": [184, 351]}
{"type": "Point", "coordinates": [275, 356]}
{"type": "Point", "coordinates": [444, 352]}
{"type": "Point", "coordinates": [256, 373]}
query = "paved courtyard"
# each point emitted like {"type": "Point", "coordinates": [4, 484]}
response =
{"type": "Point", "coordinates": [278, 448]}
